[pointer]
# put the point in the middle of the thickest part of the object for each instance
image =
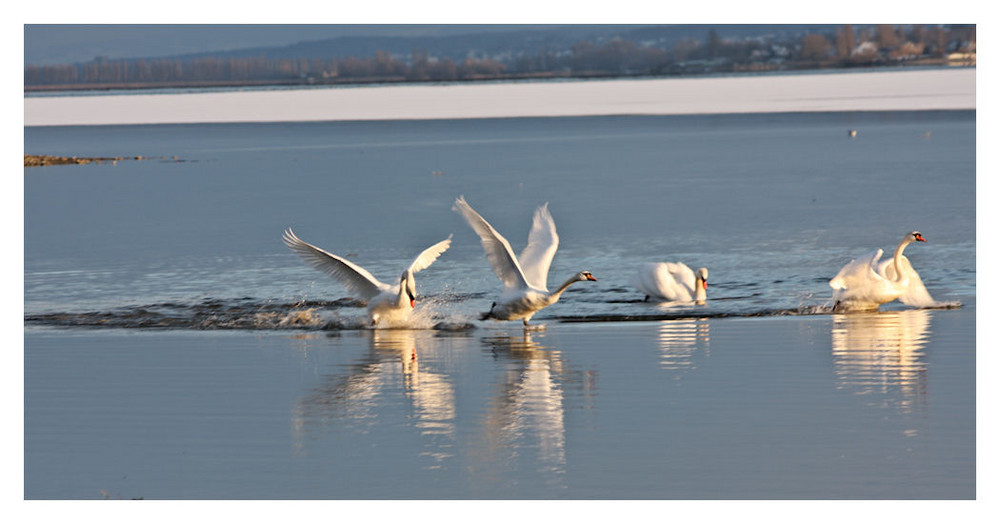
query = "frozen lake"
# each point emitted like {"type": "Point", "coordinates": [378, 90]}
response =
{"type": "Point", "coordinates": [882, 90]}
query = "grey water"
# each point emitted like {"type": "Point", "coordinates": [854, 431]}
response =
{"type": "Point", "coordinates": [175, 349]}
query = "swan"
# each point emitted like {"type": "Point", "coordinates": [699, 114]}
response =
{"type": "Point", "coordinates": [524, 278]}
{"type": "Point", "coordinates": [866, 283]}
{"type": "Point", "coordinates": [671, 281]}
{"type": "Point", "coordinates": [387, 304]}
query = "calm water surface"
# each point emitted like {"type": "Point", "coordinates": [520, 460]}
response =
{"type": "Point", "coordinates": [175, 349]}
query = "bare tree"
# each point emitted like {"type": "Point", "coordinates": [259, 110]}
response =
{"type": "Point", "coordinates": [815, 47]}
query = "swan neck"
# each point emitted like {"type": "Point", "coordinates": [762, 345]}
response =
{"type": "Point", "coordinates": [404, 291]}
{"type": "Point", "coordinates": [565, 285]}
{"type": "Point", "coordinates": [897, 257]}
{"type": "Point", "coordinates": [699, 290]}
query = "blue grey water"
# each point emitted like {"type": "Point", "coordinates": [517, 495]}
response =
{"type": "Point", "coordinates": [175, 349]}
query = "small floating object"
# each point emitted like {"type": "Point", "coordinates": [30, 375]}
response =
{"type": "Point", "coordinates": [852, 133]}
{"type": "Point", "coordinates": [927, 135]}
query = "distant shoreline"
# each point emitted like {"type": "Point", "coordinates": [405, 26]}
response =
{"type": "Point", "coordinates": [358, 82]}
{"type": "Point", "coordinates": [933, 89]}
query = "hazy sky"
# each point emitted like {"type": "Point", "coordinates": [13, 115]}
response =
{"type": "Point", "coordinates": [66, 37]}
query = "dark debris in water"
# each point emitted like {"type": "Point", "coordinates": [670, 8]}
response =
{"type": "Point", "coordinates": [700, 313]}
{"type": "Point", "coordinates": [209, 314]}
{"type": "Point", "coordinates": [322, 315]}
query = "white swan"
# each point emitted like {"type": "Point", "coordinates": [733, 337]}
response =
{"type": "Point", "coordinates": [866, 283]}
{"type": "Point", "coordinates": [671, 282]}
{"type": "Point", "coordinates": [524, 278]}
{"type": "Point", "coordinates": [390, 305]}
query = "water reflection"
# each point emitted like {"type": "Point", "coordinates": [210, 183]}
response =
{"type": "Point", "coordinates": [393, 364]}
{"type": "Point", "coordinates": [881, 353]}
{"type": "Point", "coordinates": [680, 340]}
{"type": "Point", "coordinates": [526, 418]}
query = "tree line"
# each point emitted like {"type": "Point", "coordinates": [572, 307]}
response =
{"type": "Point", "coordinates": [845, 47]}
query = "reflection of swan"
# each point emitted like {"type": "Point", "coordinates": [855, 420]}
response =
{"type": "Point", "coordinates": [877, 352]}
{"type": "Point", "coordinates": [393, 365]}
{"type": "Point", "coordinates": [432, 395]}
{"type": "Point", "coordinates": [865, 283]}
{"type": "Point", "coordinates": [671, 281]}
{"type": "Point", "coordinates": [524, 279]}
{"type": "Point", "coordinates": [680, 340]}
{"type": "Point", "coordinates": [528, 410]}
{"type": "Point", "coordinates": [387, 304]}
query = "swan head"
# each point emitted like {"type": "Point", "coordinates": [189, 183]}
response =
{"type": "Point", "coordinates": [915, 236]}
{"type": "Point", "coordinates": [702, 277]}
{"type": "Point", "coordinates": [408, 286]}
{"type": "Point", "coordinates": [585, 275]}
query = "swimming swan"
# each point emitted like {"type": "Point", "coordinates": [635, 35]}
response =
{"type": "Point", "coordinates": [524, 278]}
{"type": "Point", "coordinates": [671, 282]}
{"type": "Point", "coordinates": [386, 304]}
{"type": "Point", "coordinates": [866, 283]}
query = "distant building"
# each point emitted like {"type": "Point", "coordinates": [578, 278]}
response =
{"type": "Point", "coordinates": [962, 59]}
{"type": "Point", "coordinates": [866, 48]}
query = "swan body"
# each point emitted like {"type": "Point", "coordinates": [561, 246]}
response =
{"type": "Point", "coordinates": [671, 282]}
{"type": "Point", "coordinates": [387, 304]}
{"type": "Point", "coordinates": [866, 283]}
{"type": "Point", "coordinates": [525, 278]}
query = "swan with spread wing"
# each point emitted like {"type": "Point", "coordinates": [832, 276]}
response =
{"type": "Point", "coordinates": [868, 282]}
{"type": "Point", "coordinates": [387, 304]}
{"type": "Point", "coordinates": [525, 278]}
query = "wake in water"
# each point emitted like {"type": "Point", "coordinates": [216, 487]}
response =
{"type": "Point", "coordinates": [245, 314]}
{"type": "Point", "coordinates": [434, 313]}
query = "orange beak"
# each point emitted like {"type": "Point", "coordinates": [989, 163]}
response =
{"type": "Point", "coordinates": [920, 238]}
{"type": "Point", "coordinates": [413, 303]}
{"type": "Point", "coordinates": [591, 277]}
{"type": "Point", "coordinates": [704, 284]}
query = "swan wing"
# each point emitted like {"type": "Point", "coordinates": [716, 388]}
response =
{"type": "Point", "coordinates": [859, 273]}
{"type": "Point", "coordinates": [914, 292]}
{"type": "Point", "coordinates": [542, 245]}
{"type": "Point", "coordinates": [682, 274]}
{"type": "Point", "coordinates": [498, 251]}
{"type": "Point", "coordinates": [429, 255]}
{"type": "Point", "coordinates": [355, 278]}
{"type": "Point", "coordinates": [861, 283]}
{"type": "Point", "coordinates": [656, 280]}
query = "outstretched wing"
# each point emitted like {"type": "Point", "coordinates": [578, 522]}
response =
{"type": "Point", "coordinates": [914, 292]}
{"type": "Point", "coordinates": [859, 273]}
{"type": "Point", "coordinates": [429, 255]}
{"type": "Point", "coordinates": [498, 251]}
{"type": "Point", "coordinates": [542, 245]}
{"type": "Point", "coordinates": [356, 279]}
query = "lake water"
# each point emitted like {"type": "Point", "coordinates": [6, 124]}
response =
{"type": "Point", "coordinates": [175, 349]}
